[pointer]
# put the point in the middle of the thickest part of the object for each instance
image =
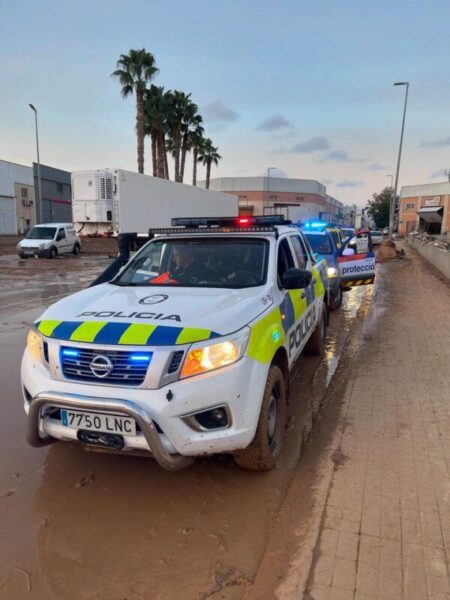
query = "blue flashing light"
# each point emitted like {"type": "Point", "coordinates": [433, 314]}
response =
{"type": "Point", "coordinates": [141, 357]}
{"type": "Point", "coordinates": [315, 225]}
{"type": "Point", "coordinates": [71, 352]}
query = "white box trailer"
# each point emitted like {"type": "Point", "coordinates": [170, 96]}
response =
{"type": "Point", "coordinates": [118, 201]}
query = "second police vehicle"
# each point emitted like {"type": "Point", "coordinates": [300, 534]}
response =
{"type": "Point", "coordinates": [187, 351]}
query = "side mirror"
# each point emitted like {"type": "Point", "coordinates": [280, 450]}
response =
{"type": "Point", "coordinates": [296, 279]}
{"type": "Point", "coordinates": [348, 252]}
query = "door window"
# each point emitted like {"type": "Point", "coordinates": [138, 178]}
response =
{"type": "Point", "coordinates": [61, 235]}
{"type": "Point", "coordinates": [299, 251]}
{"type": "Point", "coordinates": [285, 259]}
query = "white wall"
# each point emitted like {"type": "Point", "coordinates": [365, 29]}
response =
{"type": "Point", "coordinates": [11, 173]}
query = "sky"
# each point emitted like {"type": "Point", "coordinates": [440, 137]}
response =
{"type": "Point", "coordinates": [303, 86]}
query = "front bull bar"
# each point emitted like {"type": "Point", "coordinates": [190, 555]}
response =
{"type": "Point", "coordinates": [170, 462]}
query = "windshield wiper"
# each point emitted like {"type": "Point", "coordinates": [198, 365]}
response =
{"type": "Point", "coordinates": [129, 284]}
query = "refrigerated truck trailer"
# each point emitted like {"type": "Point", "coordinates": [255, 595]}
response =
{"type": "Point", "coordinates": [114, 201]}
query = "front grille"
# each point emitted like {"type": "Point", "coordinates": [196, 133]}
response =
{"type": "Point", "coordinates": [127, 368]}
{"type": "Point", "coordinates": [175, 363]}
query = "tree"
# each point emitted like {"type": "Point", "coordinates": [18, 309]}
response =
{"type": "Point", "coordinates": [134, 71]}
{"type": "Point", "coordinates": [208, 155]}
{"type": "Point", "coordinates": [378, 207]}
{"type": "Point", "coordinates": [156, 116]}
{"type": "Point", "coordinates": [191, 121]}
{"type": "Point", "coordinates": [196, 142]}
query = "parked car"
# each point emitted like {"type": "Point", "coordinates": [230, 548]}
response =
{"type": "Point", "coordinates": [48, 240]}
{"type": "Point", "coordinates": [347, 232]}
{"type": "Point", "coordinates": [323, 244]}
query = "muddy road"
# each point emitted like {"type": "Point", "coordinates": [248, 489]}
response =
{"type": "Point", "coordinates": [83, 525]}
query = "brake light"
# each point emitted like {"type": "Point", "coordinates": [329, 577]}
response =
{"type": "Point", "coordinates": [243, 221]}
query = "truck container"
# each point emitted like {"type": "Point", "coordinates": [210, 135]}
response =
{"type": "Point", "coordinates": [113, 201]}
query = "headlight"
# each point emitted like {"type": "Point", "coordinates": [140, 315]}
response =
{"type": "Point", "coordinates": [204, 357]}
{"type": "Point", "coordinates": [41, 246]}
{"type": "Point", "coordinates": [34, 344]}
{"type": "Point", "coordinates": [332, 271]}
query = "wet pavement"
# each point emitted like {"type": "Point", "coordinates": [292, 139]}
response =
{"type": "Point", "coordinates": [84, 525]}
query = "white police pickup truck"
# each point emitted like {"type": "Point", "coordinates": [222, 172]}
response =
{"type": "Point", "coordinates": [187, 351]}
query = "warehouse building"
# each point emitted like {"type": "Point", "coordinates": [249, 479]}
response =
{"type": "Point", "coordinates": [297, 199]}
{"type": "Point", "coordinates": [56, 206]}
{"type": "Point", "coordinates": [17, 201]}
{"type": "Point", "coordinates": [425, 208]}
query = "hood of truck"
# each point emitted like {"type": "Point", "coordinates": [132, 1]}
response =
{"type": "Point", "coordinates": [26, 243]}
{"type": "Point", "coordinates": [111, 314]}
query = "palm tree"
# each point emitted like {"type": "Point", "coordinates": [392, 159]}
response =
{"type": "Point", "coordinates": [178, 107]}
{"type": "Point", "coordinates": [208, 155]}
{"type": "Point", "coordinates": [196, 143]}
{"type": "Point", "coordinates": [191, 120]}
{"type": "Point", "coordinates": [134, 71]}
{"type": "Point", "coordinates": [156, 107]}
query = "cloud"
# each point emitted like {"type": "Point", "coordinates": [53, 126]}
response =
{"type": "Point", "coordinates": [438, 174]}
{"type": "Point", "coordinates": [349, 183]}
{"type": "Point", "coordinates": [339, 156]}
{"type": "Point", "coordinates": [314, 144]}
{"type": "Point", "coordinates": [218, 112]}
{"type": "Point", "coordinates": [436, 143]}
{"type": "Point", "coordinates": [376, 167]}
{"type": "Point", "coordinates": [274, 123]}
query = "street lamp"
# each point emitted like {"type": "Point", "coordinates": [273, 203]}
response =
{"type": "Point", "coordinates": [38, 210]}
{"type": "Point", "coordinates": [392, 177]}
{"type": "Point", "coordinates": [392, 207]}
{"type": "Point", "coordinates": [268, 184]}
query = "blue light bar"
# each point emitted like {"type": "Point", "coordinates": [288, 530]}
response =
{"type": "Point", "coordinates": [141, 357]}
{"type": "Point", "coordinates": [70, 352]}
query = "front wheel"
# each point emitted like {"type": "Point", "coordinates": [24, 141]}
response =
{"type": "Point", "coordinates": [316, 343]}
{"type": "Point", "coordinates": [262, 454]}
{"type": "Point", "coordinates": [53, 252]}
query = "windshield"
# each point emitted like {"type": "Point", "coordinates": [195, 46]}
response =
{"type": "Point", "coordinates": [319, 243]}
{"type": "Point", "coordinates": [348, 232]}
{"type": "Point", "coordinates": [208, 262]}
{"type": "Point", "coordinates": [41, 233]}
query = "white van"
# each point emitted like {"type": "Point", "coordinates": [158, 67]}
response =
{"type": "Point", "coordinates": [48, 240]}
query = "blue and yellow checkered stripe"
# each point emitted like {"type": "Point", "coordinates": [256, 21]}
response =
{"type": "Point", "coordinates": [133, 334]}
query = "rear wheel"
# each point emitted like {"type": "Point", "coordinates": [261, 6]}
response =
{"type": "Point", "coordinates": [336, 300]}
{"type": "Point", "coordinates": [76, 249]}
{"type": "Point", "coordinates": [53, 252]}
{"type": "Point", "coordinates": [316, 343]}
{"type": "Point", "coordinates": [262, 454]}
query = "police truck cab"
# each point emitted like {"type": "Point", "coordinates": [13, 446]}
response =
{"type": "Point", "coordinates": [187, 351]}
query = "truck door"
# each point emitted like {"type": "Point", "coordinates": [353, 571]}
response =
{"type": "Point", "coordinates": [356, 261]}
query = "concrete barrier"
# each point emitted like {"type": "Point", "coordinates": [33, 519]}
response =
{"type": "Point", "coordinates": [438, 257]}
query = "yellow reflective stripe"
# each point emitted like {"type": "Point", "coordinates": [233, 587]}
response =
{"type": "Point", "coordinates": [192, 334]}
{"type": "Point", "coordinates": [319, 289]}
{"type": "Point", "coordinates": [137, 334]}
{"type": "Point", "coordinates": [266, 336]}
{"type": "Point", "coordinates": [48, 327]}
{"type": "Point", "coordinates": [87, 331]}
{"type": "Point", "coordinates": [300, 304]}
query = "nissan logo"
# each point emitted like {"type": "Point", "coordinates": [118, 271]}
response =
{"type": "Point", "coordinates": [101, 366]}
{"type": "Point", "coordinates": [154, 299]}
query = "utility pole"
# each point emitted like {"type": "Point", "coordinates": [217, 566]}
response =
{"type": "Point", "coordinates": [39, 204]}
{"type": "Point", "coordinates": [268, 185]}
{"type": "Point", "coordinates": [394, 197]}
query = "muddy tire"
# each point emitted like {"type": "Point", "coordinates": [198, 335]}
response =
{"type": "Point", "coordinates": [336, 301]}
{"type": "Point", "coordinates": [262, 454]}
{"type": "Point", "coordinates": [53, 253]}
{"type": "Point", "coordinates": [316, 343]}
{"type": "Point", "coordinates": [76, 249]}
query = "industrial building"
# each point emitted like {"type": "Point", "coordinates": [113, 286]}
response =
{"type": "Point", "coordinates": [424, 208]}
{"type": "Point", "coordinates": [20, 208]}
{"type": "Point", "coordinates": [298, 199]}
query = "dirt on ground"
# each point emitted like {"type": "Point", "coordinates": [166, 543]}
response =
{"type": "Point", "coordinates": [81, 525]}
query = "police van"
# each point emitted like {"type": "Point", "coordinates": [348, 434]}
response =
{"type": "Point", "coordinates": [187, 351]}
